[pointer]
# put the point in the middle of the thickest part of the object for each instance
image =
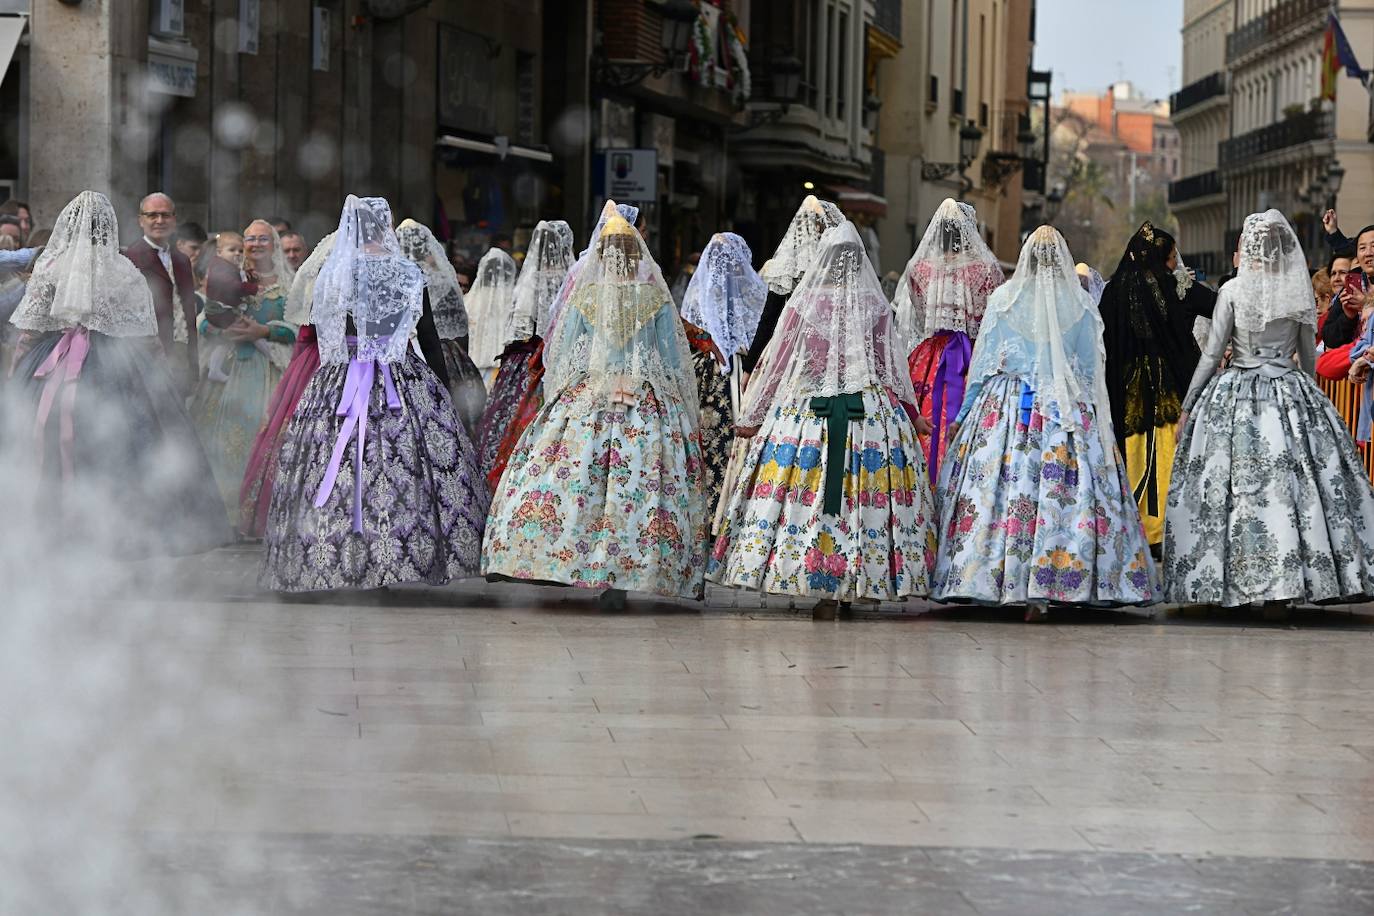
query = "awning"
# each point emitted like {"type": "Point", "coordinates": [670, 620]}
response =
{"type": "Point", "coordinates": [11, 27]}
{"type": "Point", "coordinates": [499, 148]}
{"type": "Point", "coordinates": [856, 200]}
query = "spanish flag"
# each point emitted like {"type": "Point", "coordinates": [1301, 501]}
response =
{"type": "Point", "coordinates": [1337, 55]}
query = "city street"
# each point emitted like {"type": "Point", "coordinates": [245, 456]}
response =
{"type": "Point", "coordinates": [509, 749]}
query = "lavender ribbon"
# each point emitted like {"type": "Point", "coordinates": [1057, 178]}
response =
{"type": "Point", "coordinates": [949, 386]}
{"type": "Point", "coordinates": [61, 370]}
{"type": "Point", "coordinates": [353, 407]}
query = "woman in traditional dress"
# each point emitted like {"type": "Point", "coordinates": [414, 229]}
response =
{"type": "Point", "coordinates": [533, 401]}
{"type": "Point", "coordinates": [1269, 501]}
{"type": "Point", "coordinates": [720, 312]}
{"type": "Point", "coordinates": [604, 489]}
{"type": "Point", "coordinates": [255, 493]}
{"type": "Point", "coordinates": [833, 501]}
{"type": "Point", "coordinates": [114, 457]}
{"type": "Point", "coordinates": [230, 405]}
{"type": "Point", "coordinates": [1148, 311]}
{"type": "Point", "coordinates": [940, 303]}
{"type": "Point", "coordinates": [547, 260]}
{"type": "Point", "coordinates": [1091, 281]}
{"type": "Point", "coordinates": [489, 304]}
{"type": "Point", "coordinates": [1036, 508]}
{"type": "Point", "coordinates": [450, 320]}
{"type": "Point", "coordinates": [784, 270]}
{"type": "Point", "coordinates": [376, 483]}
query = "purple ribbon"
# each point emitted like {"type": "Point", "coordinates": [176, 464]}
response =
{"type": "Point", "coordinates": [949, 386]}
{"type": "Point", "coordinates": [353, 407]}
{"type": "Point", "coordinates": [61, 369]}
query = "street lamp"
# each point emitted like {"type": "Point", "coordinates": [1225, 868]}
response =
{"type": "Point", "coordinates": [1053, 201]}
{"type": "Point", "coordinates": [970, 139]}
{"type": "Point", "coordinates": [679, 18]}
{"type": "Point", "coordinates": [1335, 176]}
{"type": "Point", "coordinates": [784, 76]}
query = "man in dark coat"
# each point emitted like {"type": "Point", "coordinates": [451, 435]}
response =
{"type": "Point", "coordinates": [172, 284]}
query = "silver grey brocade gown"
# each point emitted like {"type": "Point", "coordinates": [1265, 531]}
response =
{"type": "Point", "coordinates": [1269, 499]}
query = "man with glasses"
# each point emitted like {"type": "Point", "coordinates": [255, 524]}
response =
{"type": "Point", "coordinates": [172, 284]}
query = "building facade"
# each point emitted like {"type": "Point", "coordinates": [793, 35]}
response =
{"type": "Point", "coordinates": [970, 61]}
{"type": "Point", "coordinates": [1277, 142]}
{"type": "Point", "coordinates": [1201, 111]}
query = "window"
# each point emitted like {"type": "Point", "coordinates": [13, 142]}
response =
{"type": "Point", "coordinates": [954, 53]}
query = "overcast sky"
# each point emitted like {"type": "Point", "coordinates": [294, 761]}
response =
{"type": "Point", "coordinates": [1090, 44]}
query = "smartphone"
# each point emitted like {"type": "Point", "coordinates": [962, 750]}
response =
{"type": "Point", "coordinates": [1199, 275]}
{"type": "Point", "coordinates": [1354, 281]}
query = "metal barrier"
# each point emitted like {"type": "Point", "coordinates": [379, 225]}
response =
{"type": "Point", "coordinates": [1346, 397]}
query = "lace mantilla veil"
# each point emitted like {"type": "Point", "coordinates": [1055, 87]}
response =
{"type": "Point", "coordinates": [953, 271]}
{"type": "Point", "coordinates": [445, 295]}
{"type": "Point", "coordinates": [797, 250]}
{"type": "Point", "coordinates": [489, 302]}
{"type": "Point", "coordinates": [547, 260]}
{"type": "Point", "coordinates": [835, 335]}
{"type": "Point", "coordinates": [726, 295]}
{"type": "Point", "coordinates": [1271, 282]}
{"type": "Point", "coordinates": [367, 278]}
{"type": "Point", "coordinates": [81, 279]}
{"type": "Point", "coordinates": [1042, 326]}
{"type": "Point", "coordinates": [302, 293]}
{"type": "Point", "coordinates": [630, 214]}
{"type": "Point", "coordinates": [1091, 281]}
{"type": "Point", "coordinates": [621, 329]}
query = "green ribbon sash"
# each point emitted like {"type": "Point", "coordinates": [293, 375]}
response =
{"type": "Point", "coordinates": [837, 411]}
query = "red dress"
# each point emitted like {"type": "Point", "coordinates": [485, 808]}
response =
{"type": "Point", "coordinates": [255, 493]}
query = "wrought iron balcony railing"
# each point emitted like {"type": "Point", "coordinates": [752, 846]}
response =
{"type": "Point", "coordinates": [1303, 128]}
{"type": "Point", "coordinates": [1197, 92]}
{"type": "Point", "coordinates": [1194, 186]}
{"type": "Point", "coordinates": [1265, 28]}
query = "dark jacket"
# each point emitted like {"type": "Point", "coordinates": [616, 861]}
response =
{"type": "Point", "coordinates": [146, 259]}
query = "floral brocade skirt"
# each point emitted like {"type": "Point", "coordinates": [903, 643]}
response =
{"type": "Point", "coordinates": [717, 424]}
{"type": "Point", "coordinates": [603, 496]}
{"type": "Point", "coordinates": [423, 502]}
{"type": "Point", "coordinates": [1034, 510]}
{"type": "Point", "coordinates": [777, 537]}
{"type": "Point", "coordinates": [1269, 499]}
{"type": "Point", "coordinates": [512, 382]}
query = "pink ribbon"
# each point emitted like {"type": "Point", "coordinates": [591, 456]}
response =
{"type": "Point", "coordinates": [353, 407]}
{"type": "Point", "coordinates": [61, 368]}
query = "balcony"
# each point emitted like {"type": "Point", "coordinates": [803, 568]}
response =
{"type": "Point", "coordinates": [1263, 29]}
{"type": "Point", "coordinates": [1294, 131]}
{"type": "Point", "coordinates": [1197, 92]}
{"type": "Point", "coordinates": [888, 18]}
{"type": "Point", "coordinates": [1194, 186]}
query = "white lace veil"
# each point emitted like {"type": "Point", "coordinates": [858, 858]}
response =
{"type": "Point", "coordinates": [82, 279]}
{"type": "Point", "coordinates": [489, 302]}
{"type": "Point", "coordinates": [445, 295]}
{"type": "Point", "coordinates": [726, 295]}
{"type": "Point", "coordinates": [303, 285]}
{"type": "Point", "coordinates": [835, 335]}
{"type": "Point", "coordinates": [621, 328]}
{"type": "Point", "coordinates": [1271, 282]}
{"type": "Point", "coordinates": [547, 260]}
{"type": "Point", "coordinates": [946, 284]}
{"type": "Point", "coordinates": [1091, 281]}
{"type": "Point", "coordinates": [797, 250]}
{"type": "Point", "coordinates": [630, 214]}
{"type": "Point", "coordinates": [367, 278]}
{"type": "Point", "coordinates": [283, 276]}
{"type": "Point", "coordinates": [1042, 326]}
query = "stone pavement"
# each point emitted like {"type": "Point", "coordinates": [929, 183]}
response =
{"type": "Point", "coordinates": [494, 748]}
